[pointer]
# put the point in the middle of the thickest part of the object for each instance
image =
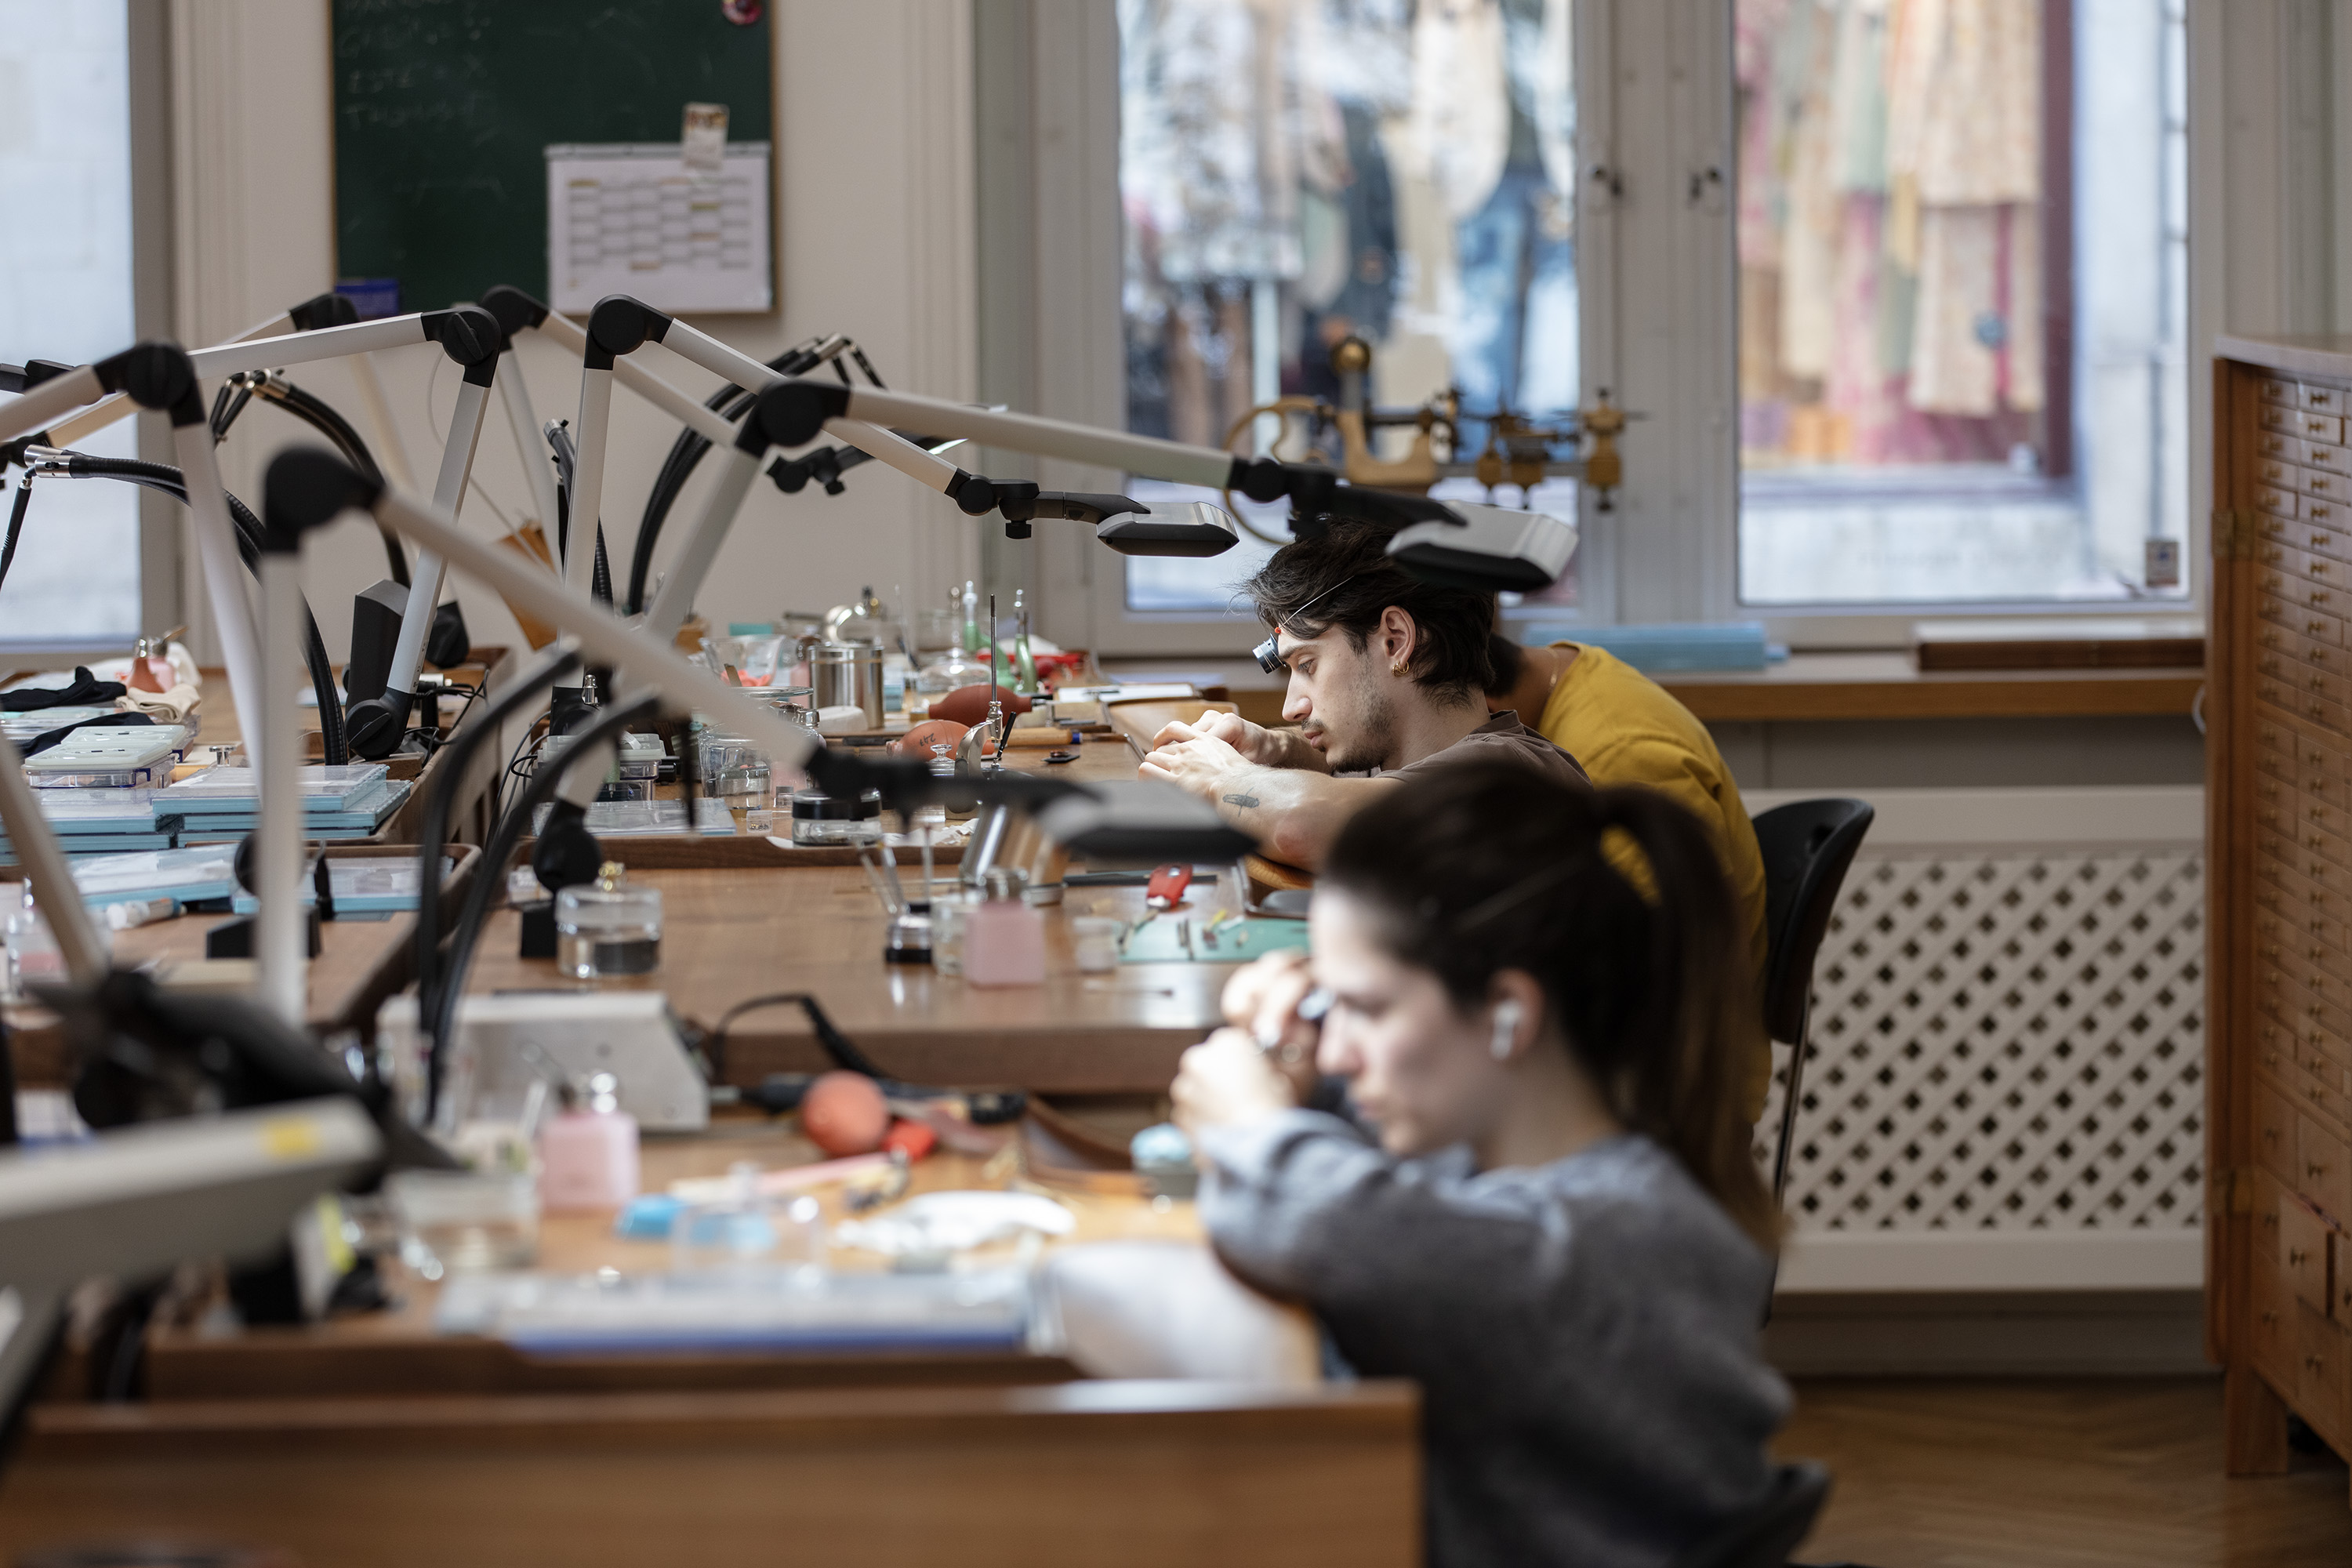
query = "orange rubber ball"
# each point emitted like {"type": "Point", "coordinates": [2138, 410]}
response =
{"type": "Point", "coordinates": [843, 1113]}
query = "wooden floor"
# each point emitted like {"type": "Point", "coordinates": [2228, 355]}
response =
{"type": "Point", "coordinates": [1966, 1473]}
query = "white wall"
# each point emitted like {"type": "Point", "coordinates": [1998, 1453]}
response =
{"type": "Point", "coordinates": [874, 197]}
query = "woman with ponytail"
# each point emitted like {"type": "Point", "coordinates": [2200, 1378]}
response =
{"type": "Point", "coordinates": [1538, 1199]}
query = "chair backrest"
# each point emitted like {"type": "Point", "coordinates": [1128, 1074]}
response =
{"type": "Point", "coordinates": [1764, 1535]}
{"type": "Point", "coordinates": [1808, 845]}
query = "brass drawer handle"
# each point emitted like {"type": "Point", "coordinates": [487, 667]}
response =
{"type": "Point", "coordinates": [2295, 1257]}
{"type": "Point", "coordinates": [2313, 1170]}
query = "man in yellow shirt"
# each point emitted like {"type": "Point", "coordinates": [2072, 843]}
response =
{"type": "Point", "coordinates": [1626, 729]}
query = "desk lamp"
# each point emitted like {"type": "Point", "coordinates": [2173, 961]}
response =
{"type": "Point", "coordinates": [1486, 547]}
{"type": "Point", "coordinates": [467, 333]}
{"type": "Point", "coordinates": [135, 1203]}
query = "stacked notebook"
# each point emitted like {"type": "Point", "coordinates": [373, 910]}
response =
{"type": "Point", "coordinates": [340, 803]}
{"type": "Point", "coordinates": [100, 822]}
{"type": "Point", "coordinates": [627, 818]}
{"type": "Point", "coordinates": [189, 876]}
{"type": "Point", "coordinates": [360, 887]}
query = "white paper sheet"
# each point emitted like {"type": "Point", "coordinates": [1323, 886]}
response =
{"type": "Point", "coordinates": [633, 218]}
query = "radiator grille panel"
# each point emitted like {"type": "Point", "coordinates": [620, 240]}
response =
{"type": "Point", "coordinates": [2005, 1041]}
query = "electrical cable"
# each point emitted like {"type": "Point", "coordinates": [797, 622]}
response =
{"type": "Point", "coordinates": [490, 880]}
{"type": "Point", "coordinates": [600, 572]}
{"type": "Point", "coordinates": [167, 480]}
{"type": "Point", "coordinates": [434, 828]}
{"type": "Point", "coordinates": [730, 403]}
{"type": "Point", "coordinates": [15, 526]}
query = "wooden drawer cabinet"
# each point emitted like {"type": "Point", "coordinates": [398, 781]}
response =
{"type": "Point", "coordinates": [2320, 1382]}
{"type": "Point", "coordinates": [2280, 785]}
{"type": "Point", "coordinates": [2274, 1132]}
{"type": "Point", "coordinates": [2273, 1312]}
{"type": "Point", "coordinates": [2303, 1253]}
{"type": "Point", "coordinates": [2322, 1175]}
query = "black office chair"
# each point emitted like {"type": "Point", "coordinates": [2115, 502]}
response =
{"type": "Point", "coordinates": [1764, 1535]}
{"type": "Point", "coordinates": [1808, 846]}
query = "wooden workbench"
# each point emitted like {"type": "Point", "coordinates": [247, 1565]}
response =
{"type": "Point", "coordinates": [396, 1352]}
{"type": "Point", "coordinates": [731, 935]}
{"type": "Point", "coordinates": [370, 1440]}
{"type": "Point", "coordinates": [361, 960]}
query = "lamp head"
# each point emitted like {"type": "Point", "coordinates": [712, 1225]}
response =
{"type": "Point", "coordinates": [1173, 528]}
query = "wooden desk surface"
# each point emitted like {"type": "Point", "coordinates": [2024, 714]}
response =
{"type": "Point", "coordinates": [397, 1353]}
{"type": "Point", "coordinates": [731, 935]}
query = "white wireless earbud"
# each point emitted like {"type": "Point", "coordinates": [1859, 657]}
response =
{"type": "Point", "coordinates": [1506, 1027]}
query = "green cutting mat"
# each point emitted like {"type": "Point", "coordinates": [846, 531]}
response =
{"type": "Point", "coordinates": [1238, 942]}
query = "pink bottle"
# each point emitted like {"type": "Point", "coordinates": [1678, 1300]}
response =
{"type": "Point", "coordinates": [588, 1158]}
{"type": "Point", "coordinates": [1003, 939]}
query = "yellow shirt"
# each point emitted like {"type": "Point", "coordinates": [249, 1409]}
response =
{"type": "Point", "coordinates": [1626, 729]}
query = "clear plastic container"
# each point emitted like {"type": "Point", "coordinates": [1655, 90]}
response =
{"type": "Point", "coordinates": [949, 908]}
{"type": "Point", "coordinates": [820, 819]}
{"type": "Point", "coordinates": [608, 927]}
{"type": "Point", "coordinates": [1094, 939]}
{"type": "Point", "coordinates": [464, 1221]}
{"type": "Point", "coordinates": [746, 1227]}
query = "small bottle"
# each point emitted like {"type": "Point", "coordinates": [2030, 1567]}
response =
{"type": "Point", "coordinates": [588, 1157]}
{"type": "Point", "coordinates": [1025, 663]}
{"type": "Point", "coordinates": [972, 643]}
{"type": "Point", "coordinates": [1004, 938]}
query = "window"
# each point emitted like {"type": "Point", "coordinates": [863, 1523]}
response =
{"type": "Point", "coordinates": [66, 294]}
{"type": "Point", "coordinates": [1297, 176]}
{"type": "Point", "coordinates": [1962, 245]}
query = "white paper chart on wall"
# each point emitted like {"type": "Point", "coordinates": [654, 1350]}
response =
{"type": "Point", "coordinates": [634, 218]}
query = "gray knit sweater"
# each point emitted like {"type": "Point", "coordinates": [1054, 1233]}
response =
{"type": "Point", "coordinates": [1584, 1334]}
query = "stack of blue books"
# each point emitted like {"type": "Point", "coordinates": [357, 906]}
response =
{"type": "Point", "coordinates": [345, 802]}
{"type": "Point", "coordinates": [188, 875]}
{"type": "Point", "coordinates": [383, 884]}
{"type": "Point", "coordinates": [640, 818]}
{"type": "Point", "coordinates": [100, 822]}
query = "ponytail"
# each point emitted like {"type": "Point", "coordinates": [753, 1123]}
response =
{"type": "Point", "coordinates": [1488, 866]}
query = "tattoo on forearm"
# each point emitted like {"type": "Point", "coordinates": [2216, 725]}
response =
{"type": "Point", "coordinates": [1244, 801]}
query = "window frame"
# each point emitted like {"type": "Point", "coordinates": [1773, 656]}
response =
{"type": "Point", "coordinates": [1656, 139]}
{"type": "Point", "coordinates": [148, 34]}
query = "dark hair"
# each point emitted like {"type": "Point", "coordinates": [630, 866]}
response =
{"type": "Point", "coordinates": [1509, 661]}
{"type": "Point", "coordinates": [1348, 567]}
{"type": "Point", "coordinates": [1484, 867]}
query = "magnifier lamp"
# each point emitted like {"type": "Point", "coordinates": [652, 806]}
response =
{"type": "Point", "coordinates": [1484, 547]}
{"type": "Point", "coordinates": [469, 335]}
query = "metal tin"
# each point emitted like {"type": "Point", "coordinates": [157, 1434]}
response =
{"type": "Point", "coordinates": [849, 675]}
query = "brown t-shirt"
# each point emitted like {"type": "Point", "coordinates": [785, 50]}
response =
{"type": "Point", "coordinates": [1500, 737]}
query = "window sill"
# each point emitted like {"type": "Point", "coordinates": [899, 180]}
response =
{"type": "Point", "coordinates": [1885, 684]}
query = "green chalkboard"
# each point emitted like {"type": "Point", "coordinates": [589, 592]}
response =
{"type": "Point", "coordinates": [444, 110]}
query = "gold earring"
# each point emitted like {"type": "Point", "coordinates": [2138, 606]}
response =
{"type": "Point", "coordinates": [1396, 670]}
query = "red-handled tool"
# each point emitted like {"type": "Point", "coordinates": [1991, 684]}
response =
{"type": "Point", "coordinates": [1166, 889]}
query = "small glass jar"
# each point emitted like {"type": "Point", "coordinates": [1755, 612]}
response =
{"type": "Point", "coordinates": [1094, 941]}
{"type": "Point", "coordinates": [608, 927]}
{"type": "Point", "coordinates": [948, 909]}
{"type": "Point", "coordinates": [821, 818]}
